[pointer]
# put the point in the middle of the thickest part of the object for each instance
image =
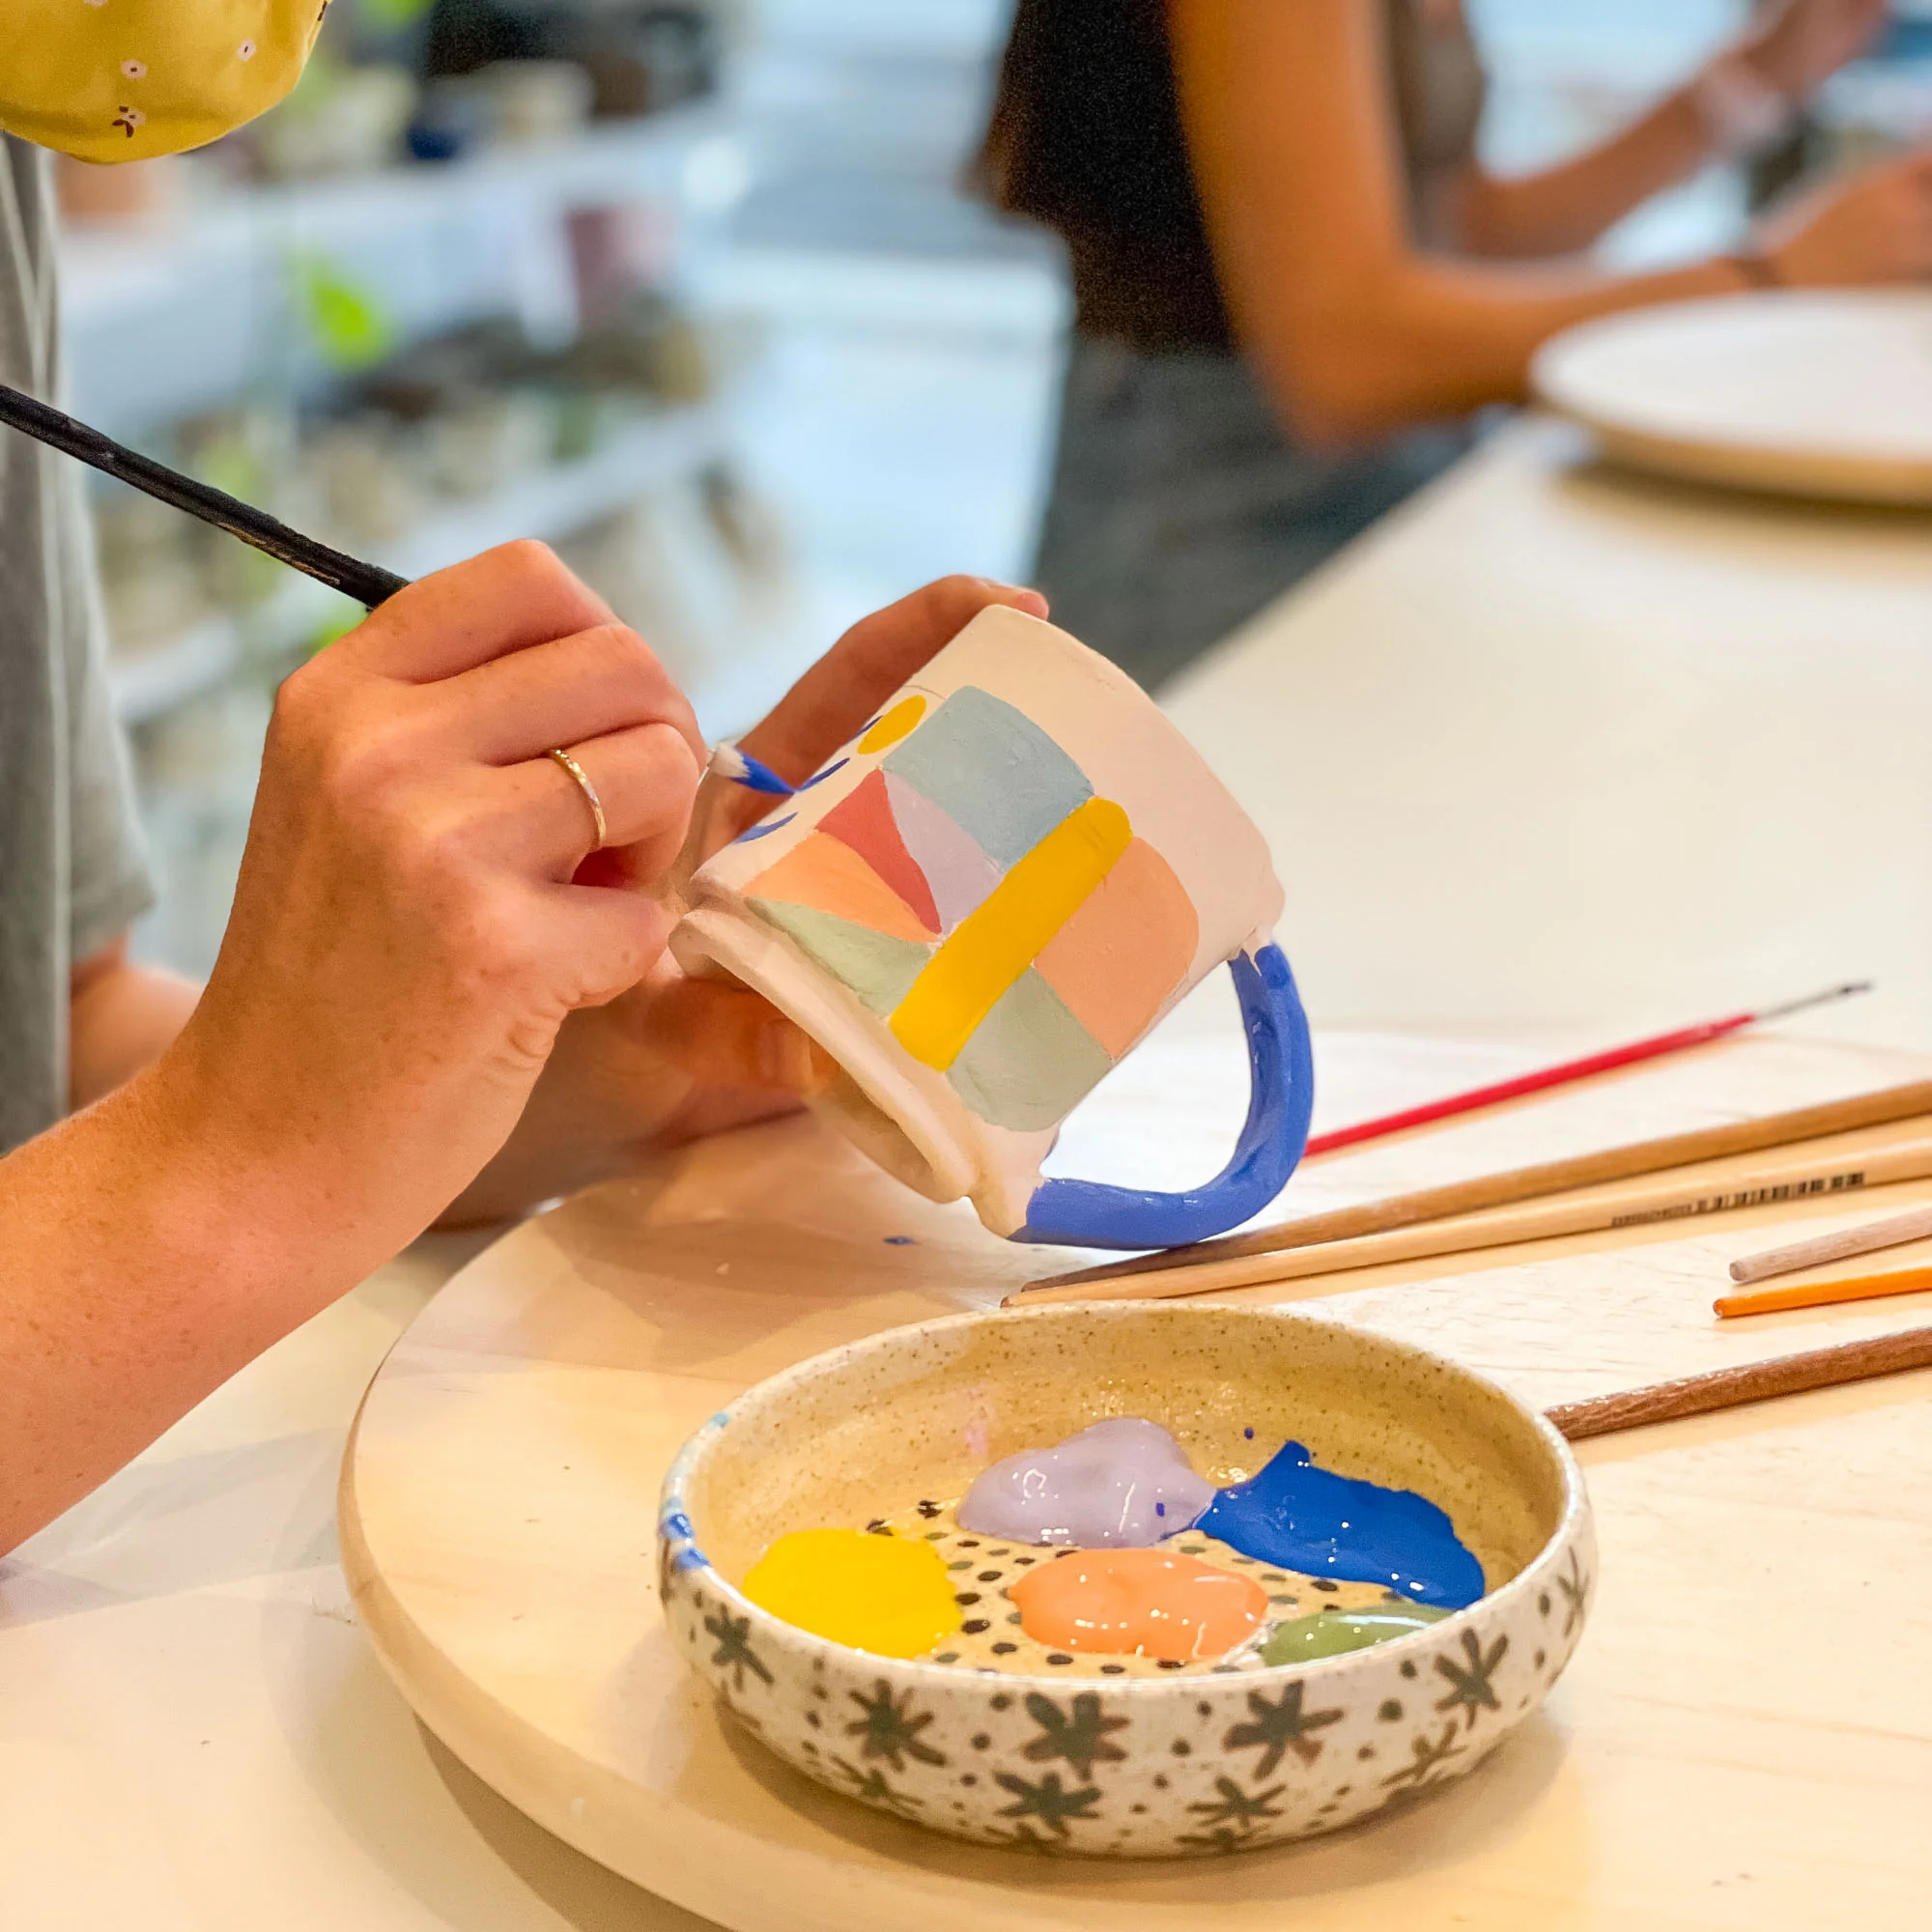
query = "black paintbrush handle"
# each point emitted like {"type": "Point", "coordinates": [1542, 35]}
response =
{"type": "Point", "coordinates": [367, 583]}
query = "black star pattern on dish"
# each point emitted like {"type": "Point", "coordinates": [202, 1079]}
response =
{"type": "Point", "coordinates": [871, 1787]}
{"type": "Point", "coordinates": [1280, 1727]}
{"type": "Point", "coordinates": [1080, 1738]}
{"type": "Point", "coordinates": [889, 1729]}
{"type": "Point", "coordinates": [1427, 1756]}
{"type": "Point", "coordinates": [1469, 1686]}
{"type": "Point", "coordinates": [1576, 1588]}
{"type": "Point", "coordinates": [1047, 1801]}
{"type": "Point", "coordinates": [1236, 1806]}
{"type": "Point", "coordinates": [734, 1648]}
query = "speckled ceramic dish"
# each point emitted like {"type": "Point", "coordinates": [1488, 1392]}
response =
{"type": "Point", "coordinates": [1134, 1765]}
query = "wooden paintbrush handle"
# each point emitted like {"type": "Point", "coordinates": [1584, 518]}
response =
{"type": "Point", "coordinates": [1754, 1381]}
{"type": "Point", "coordinates": [1526, 1183]}
{"type": "Point", "coordinates": [1649, 1204]}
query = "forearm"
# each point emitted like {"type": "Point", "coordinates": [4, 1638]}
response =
{"type": "Point", "coordinates": [120, 1018]}
{"type": "Point", "coordinates": [1432, 338]}
{"type": "Point", "coordinates": [146, 1259]}
{"type": "Point", "coordinates": [1561, 209]}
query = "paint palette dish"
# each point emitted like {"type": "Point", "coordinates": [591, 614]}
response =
{"type": "Point", "coordinates": [935, 1571]}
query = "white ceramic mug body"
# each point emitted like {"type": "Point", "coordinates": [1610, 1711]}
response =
{"type": "Point", "coordinates": [983, 901]}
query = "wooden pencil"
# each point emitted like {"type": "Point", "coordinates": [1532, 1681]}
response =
{"type": "Point", "coordinates": [1821, 1249]}
{"type": "Point", "coordinates": [1670, 1198]}
{"type": "Point", "coordinates": [1753, 1381]}
{"type": "Point", "coordinates": [1525, 1183]}
{"type": "Point", "coordinates": [1823, 1294]}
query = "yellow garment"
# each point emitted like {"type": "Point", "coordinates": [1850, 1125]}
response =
{"type": "Point", "coordinates": [122, 80]}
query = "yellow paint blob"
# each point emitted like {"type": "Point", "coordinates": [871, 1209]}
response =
{"type": "Point", "coordinates": [897, 723]}
{"type": "Point", "coordinates": [994, 944]}
{"type": "Point", "coordinates": [870, 1592]}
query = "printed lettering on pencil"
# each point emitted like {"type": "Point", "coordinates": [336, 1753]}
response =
{"type": "Point", "coordinates": [1750, 1196]}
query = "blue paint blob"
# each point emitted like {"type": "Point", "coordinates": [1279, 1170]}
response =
{"type": "Point", "coordinates": [1297, 1517]}
{"type": "Point", "coordinates": [819, 777]}
{"type": "Point", "coordinates": [900, 1241]}
{"type": "Point", "coordinates": [1249, 1434]}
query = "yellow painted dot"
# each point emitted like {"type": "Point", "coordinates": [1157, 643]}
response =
{"type": "Point", "coordinates": [873, 1592]}
{"type": "Point", "coordinates": [897, 723]}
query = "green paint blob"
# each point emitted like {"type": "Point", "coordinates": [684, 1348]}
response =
{"type": "Point", "coordinates": [1336, 1632]}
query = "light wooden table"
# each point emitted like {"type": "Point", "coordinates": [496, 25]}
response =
{"type": "Point", "coordinates": [193, 1734]}
{"type": "Point", "coordinates": [1561, 744]}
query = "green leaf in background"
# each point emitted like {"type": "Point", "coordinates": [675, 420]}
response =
{"type": "Point", "coordinates": [393, 14]}
{"type": "Point", "coordinates": [345, 317]}
{"type": "Point", "coordinates": [341, 617]}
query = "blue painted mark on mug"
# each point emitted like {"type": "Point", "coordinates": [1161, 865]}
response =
{"type": "Point", "coordinates": [819, 777]}
{"type": "Point", "coordinates": [764, 831]}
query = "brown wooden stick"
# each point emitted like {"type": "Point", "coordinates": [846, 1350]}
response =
{"type": "Point", "coordinates": [1526, 1183]}
{"type": "Point", "coordinates": [1894, 1231]}
{"type": "Point", "coordinates": [1754, 1381]}
{"type": "Point", "coordinates": [1799, 1174]}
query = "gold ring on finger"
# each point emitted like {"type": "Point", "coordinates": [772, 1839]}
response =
{"type": "Point", "coordinates": [590, 798]}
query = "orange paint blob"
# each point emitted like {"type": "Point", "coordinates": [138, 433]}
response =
{"type": "Point", "coordinates": [1153, 1601]}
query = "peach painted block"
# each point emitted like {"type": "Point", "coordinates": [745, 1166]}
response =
{"type": "Point", "coordinates": [1124, 951]}
{"type": "Point", "coordinates": [825, 874]}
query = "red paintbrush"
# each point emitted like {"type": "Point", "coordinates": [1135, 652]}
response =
{"type": "Point", "coordinates": [1561, 1074]}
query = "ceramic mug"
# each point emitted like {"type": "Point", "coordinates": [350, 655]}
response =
{"type": "Point", "coordinates": [979, 906]}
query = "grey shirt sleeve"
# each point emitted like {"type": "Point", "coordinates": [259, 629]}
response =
{"type": "Point", "coordinates": [72, 867]}
{"type": "Point", "coordinates": [109, 886]}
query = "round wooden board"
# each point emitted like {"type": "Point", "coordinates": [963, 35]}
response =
{"type": "Point", "coordinates": [500, 1492]}
{"type": "Point", "coordinates": [1803, 393]}
{"type": "Point", "coordinates": [498, 1514]}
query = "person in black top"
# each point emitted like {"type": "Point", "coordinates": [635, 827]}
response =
{"type": "Point", "coordinates": [1293, 280]}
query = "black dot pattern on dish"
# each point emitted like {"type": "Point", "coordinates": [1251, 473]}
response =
{"type": "Point", "coordinates": [1390, 1712]}
{"type": "Point", "coordinates": [982, 1740]}
{"type": "Point", "coordinates": [1408, 1670]}
{"type": "Point", "coordinates": [1327, 1584]}
{"type": "Point", "coordinates": [1181, 1748]}
{"type": "Point", "coordinates": [992, 1636]}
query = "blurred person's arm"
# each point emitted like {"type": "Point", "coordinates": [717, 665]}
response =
{"type": "Point", "coordinates": [120, 1017]}
{"type": "Point", "coordinates": [1560, 210]}
{"type": "Point", "coordinates": [409, 944]}
{"type": "Point", "coordinates": [1354, 331]}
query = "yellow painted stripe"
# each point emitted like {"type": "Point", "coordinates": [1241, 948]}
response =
{"type": "Point", "coordinates": [996, 943]}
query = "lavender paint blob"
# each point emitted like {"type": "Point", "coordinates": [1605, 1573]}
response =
{"type": "Point", "coordinates": [1122, 1483]}
{"type": "Point", "coordinates": [1301, 1518]}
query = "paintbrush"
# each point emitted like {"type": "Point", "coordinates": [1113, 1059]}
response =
{"type": "Point", "coordinates": [1529, 1183]}
{"type": "Point", "coordinates": [369, 583]}
{"type": "Point", "coordinates": [1802, 1175]}
{"type": "Point", "coordinates": [1567, 1072]}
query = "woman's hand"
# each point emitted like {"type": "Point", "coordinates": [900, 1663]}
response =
{"type": "Point", "coordinates": [1869, 227]}
{"type": "Point", "coordinates": [1805, 42]}
{"type": "Point", "coordinates": [674, 1057]}
{"type": "Point", "coordinates": [406, 938]}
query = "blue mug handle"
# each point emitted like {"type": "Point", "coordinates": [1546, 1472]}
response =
{"type": "Point", "coordinates": [1088, 1214]}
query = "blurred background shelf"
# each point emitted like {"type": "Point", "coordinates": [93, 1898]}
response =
{"type": "Point", "coordinates": [843, 381]}
{"type": "Point", "coordinates": [549, 505]}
